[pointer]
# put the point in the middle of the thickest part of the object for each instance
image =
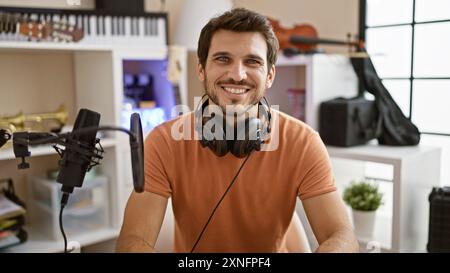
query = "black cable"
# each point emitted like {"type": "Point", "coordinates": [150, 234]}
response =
{"type": "Point", "coordinates": [220, 201]}
{"type": "Point", "coordinates": [64, 200]}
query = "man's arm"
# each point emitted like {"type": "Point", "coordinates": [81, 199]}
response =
{"type": "Point", "coordinates": [296, 239]}
{"type": "Point", "coordinates": [142, 222]}
{"type": "Point", "coordinates": [329, 220]}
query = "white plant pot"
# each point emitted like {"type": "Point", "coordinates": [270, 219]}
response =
{"type": "Point", "coordinates": [364, 223]}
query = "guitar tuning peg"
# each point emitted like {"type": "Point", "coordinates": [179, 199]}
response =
{"type": "Point", "coordinates": [55, 36]}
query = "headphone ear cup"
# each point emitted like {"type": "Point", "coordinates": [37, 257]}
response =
{"type": "Point", "coordinates": [219, 147]}
{"type": "Point", "coordinates": [251, 141]}
{"type": "Point", "coordinates": [240, 148]}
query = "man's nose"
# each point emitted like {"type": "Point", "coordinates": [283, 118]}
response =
{"type": "Point", "coordinates": [238, 72]}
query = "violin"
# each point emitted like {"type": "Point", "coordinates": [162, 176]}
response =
{"type": "Point", "coordinates": [303, 38]}
{"type": "Point", "coordinates": [303, 30]}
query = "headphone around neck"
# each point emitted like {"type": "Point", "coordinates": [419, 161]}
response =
{"type": "Point", "coordinates": [243, 143]}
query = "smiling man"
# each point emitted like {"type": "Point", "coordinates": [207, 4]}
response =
{"type": "Point", "coordinates": [232, 195]}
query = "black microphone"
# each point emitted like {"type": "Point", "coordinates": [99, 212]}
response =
{"type": "Point", "coordinates": [137, 152]}
{"type": "Point", "coordinates": [76, 162]}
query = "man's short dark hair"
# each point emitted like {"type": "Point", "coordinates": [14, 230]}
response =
{"type": "Point", "coordinates": [238, 20]}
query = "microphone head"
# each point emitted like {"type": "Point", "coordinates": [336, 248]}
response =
{"type": "Point", "coordinates": [137, 152]}
{"type": "Point", "coordinates": [75, 162]}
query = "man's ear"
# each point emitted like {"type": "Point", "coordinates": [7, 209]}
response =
{"type": "Point", "coordinates": [270, 77]}
{"type": "Point", "coordinates": [200, 72]}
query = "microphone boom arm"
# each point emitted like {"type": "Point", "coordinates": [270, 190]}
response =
{"type": "Point", "coordinates": [21, 141]}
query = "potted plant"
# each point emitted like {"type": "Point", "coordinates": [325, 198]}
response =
{"type": "Point", "coordinates": [364, 198]}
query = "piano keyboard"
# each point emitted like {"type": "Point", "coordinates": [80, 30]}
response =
{"type": "Point", "coordinates": [121, 29]}
{"type": "Point", "coordinates": [146, 29]}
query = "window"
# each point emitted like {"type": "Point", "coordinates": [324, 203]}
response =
{"type": "Point", "coordinates": [409, 41]}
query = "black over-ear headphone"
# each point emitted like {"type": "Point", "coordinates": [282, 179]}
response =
{"type": "Point", "coordinates": [254, 134]}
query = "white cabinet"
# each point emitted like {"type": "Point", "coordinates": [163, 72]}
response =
{"type": "Point", "coordinates": [95, 82]}
{"type": "Point", "coordinates": [322, 76]}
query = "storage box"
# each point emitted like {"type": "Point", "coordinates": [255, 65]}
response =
{"type": "Point", "coordinates": [87, 208]}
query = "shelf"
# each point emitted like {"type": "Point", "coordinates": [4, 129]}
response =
{"type": "Point", "coordinates": [38, 244]}
{"type": "Point", "coordinates": [379, 153]}
{"type": "Point", "coordinates": [18, 45]}
{"type": "Point", "coordinates": [90, 71]}
{"type": "Point", "coordinates": [293, 61]}
{"type": "Point", "coordinates": [137, 50]}
{"type": "Point", "coordinates": [8, 153]}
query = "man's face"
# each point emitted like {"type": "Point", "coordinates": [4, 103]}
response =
{"type": "Point", "coordinates": [236, 70]}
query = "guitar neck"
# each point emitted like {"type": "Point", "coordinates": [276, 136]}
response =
{"type": "Point", "coordinates": [308, 40]}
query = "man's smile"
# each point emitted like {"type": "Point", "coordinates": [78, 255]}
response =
{"type": "Point", "coordinates": [236, 91]}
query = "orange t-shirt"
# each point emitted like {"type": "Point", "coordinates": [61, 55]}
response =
{"type": "Point", "coordinates": [255, 214]}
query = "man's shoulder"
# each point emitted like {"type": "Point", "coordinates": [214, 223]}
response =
{"type": "Point", "coordinates": [175, 126]}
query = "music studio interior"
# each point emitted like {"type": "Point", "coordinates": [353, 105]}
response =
{"type": "Point", "coordinates": [362, 83]}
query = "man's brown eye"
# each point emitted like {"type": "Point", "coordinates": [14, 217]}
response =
{"type": "Point", "coordinates": [252, 61]}
{"type": "Point", "coordinates": [222, 59]}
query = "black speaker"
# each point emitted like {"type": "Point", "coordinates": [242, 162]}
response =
{"type": "Point", "coordinates": [439, 223]}
{"type": "Point", "coordinates": [348, 122]}
{"type": "Point", "coordinates": [112, 6]}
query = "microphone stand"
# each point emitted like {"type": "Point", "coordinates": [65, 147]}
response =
{"type": "Point", "coordinates": [22, 140]}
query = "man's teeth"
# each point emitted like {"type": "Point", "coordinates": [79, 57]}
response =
{"type": "Point", "coordinates": [235, 90]}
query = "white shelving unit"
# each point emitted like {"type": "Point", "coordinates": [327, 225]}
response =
{"type": "Point", "coordinates": [98, 85]}
{"type": "Point", "coordinates": [323, 77]}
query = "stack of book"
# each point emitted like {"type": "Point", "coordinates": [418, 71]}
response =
{"type": "Point", "coordinates": [12, 218]}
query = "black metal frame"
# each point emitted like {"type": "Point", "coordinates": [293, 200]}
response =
{"type": "Point", "coordinates": [362, 34]}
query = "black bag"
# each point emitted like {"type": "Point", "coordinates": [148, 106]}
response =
{"type": "Point", "coordinates": [397, 129]}
{"type": "Point", "coordinates": [439, 224]}
{"type": "Point", "coordinates": [348, 122]}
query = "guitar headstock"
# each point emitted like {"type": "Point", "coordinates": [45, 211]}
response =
{"type": "Point", "coordinates": [39, 29]}
{"type": "Point", "coordinates": [33, 30]}
{"type": "Point", "coordinates": [54, 31]}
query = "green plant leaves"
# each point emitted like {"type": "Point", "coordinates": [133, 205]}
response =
{"type": "Point", "coordinates": [363, 196]}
